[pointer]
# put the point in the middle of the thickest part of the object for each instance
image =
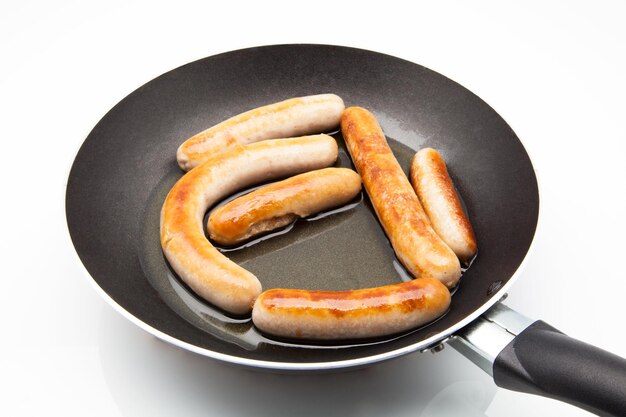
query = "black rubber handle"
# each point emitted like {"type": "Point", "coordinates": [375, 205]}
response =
{"type": "Point", "coordinates": [543, 361]}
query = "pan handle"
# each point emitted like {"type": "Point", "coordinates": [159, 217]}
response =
{"type": "Point", "coordinates": [535, 358]}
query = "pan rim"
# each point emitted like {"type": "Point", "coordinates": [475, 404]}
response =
{"type": "Point", "coordinates": [271, 365]}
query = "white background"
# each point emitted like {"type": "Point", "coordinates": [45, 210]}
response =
{"type": "Point", "coordinates": [554, 70]}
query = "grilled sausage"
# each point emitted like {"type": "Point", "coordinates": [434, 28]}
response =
{"type": "Point", "coordinates": [280, 203]}
{"type": "Point", "coordinates": [414, 241]}
{"type": "Point", "coordinates": [288, 118]}
{"type": "Point", "coordinates": [201, 266]}
{"type": "Point", "coordinates": [355, 314]}
{"type": "Point", "coordinates": [434, 188]}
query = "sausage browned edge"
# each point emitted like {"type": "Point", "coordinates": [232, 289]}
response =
{"type": "Point", "coordinates": [414, 241]}
{"type": "Point", "coordinates": [280, 203]}
{"type": "Point", "coordinates": [436, 192]}
{"type": "Point", "coordinates": [356, 314]}
{"type": "Point", "coordinates": [200, 265]}
{"type": "Point", "coordinates": [293, 117]}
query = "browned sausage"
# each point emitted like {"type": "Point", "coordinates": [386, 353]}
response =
{"type": "Point", "coordinates": [363, 313]}
{"type": "Point", "coordinates": [414, 241]}
{"type": "Point", "coordinates": [280, 203]}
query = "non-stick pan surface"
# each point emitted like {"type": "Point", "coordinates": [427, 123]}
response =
{"type": "Point", "coordinates": [127, 165]}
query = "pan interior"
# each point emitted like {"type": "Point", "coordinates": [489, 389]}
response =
{"type": "Point", "coordinates": [127, 165]}
{"type": "Point", "coordinates": [342, 249]}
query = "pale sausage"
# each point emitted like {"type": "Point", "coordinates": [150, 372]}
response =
{"type": "Point", "coordinates": [293, 117]}
{"type": "Point", "coordinates": [200, 265]}
{"type": "Point", "coordinates": [434, 188]}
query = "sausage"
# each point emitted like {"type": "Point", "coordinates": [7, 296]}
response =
{"type": "Point", "coordinates": [414, 241]}
{"type": "Point", "coordinates": [200, 265]}
{"type": "Point", "coordinates": [294, 117]}
{"type": "Point", "coordinates": [434, 188]}
{"type": "Point", "coordinates": [280, 203]}
{"type": "Point", "coordinates": [364, 313]}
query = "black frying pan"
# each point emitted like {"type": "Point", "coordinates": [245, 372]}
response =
{"type": "Point", "coordinates": [127, 165]}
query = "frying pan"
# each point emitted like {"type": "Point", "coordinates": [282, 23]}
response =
{"type": "Point", "coordinates": [126, 166]}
